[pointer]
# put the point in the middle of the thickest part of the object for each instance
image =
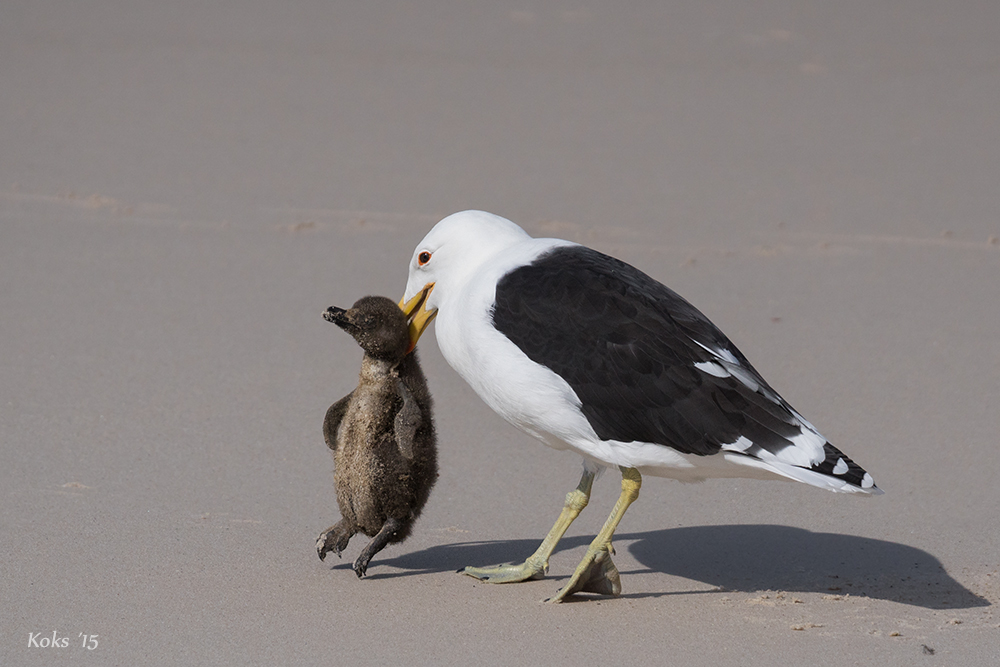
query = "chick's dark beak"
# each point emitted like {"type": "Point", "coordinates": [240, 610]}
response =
{"type": "Point", "coordinates": [338, 316]}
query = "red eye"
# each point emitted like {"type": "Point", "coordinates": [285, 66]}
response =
{"type": "Point", "coordinates": [423, 258]}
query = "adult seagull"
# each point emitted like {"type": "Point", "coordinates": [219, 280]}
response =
{"type": "Point", "coordinates": [587, 353]}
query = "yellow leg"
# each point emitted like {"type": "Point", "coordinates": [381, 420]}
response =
{"type": "Point", "coordinates": [537, 564]}
{"type": "Point", "coordinates": [596, 573]}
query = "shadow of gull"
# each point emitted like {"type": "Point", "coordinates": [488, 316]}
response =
{"type": "Point", "coordinates": [768, 557]}
{"type": "Point", "coordinates": [746, 559]}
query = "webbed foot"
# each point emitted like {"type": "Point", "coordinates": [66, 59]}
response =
{"type": "Point", "coordinates": [508, 573]}
{"type": "Point", "coordinates": [596, 573]}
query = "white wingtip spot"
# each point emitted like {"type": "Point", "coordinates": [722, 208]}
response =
{"type": "Point", "coordinates": [808, 450]}
{"type": "Point", "coordinates": [867, 482]}
{"type": "Point", "coordinates": [712, 368]}
{"type": "Point", "coordinates": [840, 468]}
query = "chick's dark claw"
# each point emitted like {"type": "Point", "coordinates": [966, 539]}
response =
{"type": "Point", "coordinates": [387, 534]}
{"type": "Point", "coordinates": [332, 539]}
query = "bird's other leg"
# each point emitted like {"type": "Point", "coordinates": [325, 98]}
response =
{"type": "Point", "coordinates": [389, 528]}
{"type": "Point", "coordinates": [334, 538]}
{"type": "Point", "coordinates": [537, 564]}
{"type": "Point", "coordinates": [596, 573]}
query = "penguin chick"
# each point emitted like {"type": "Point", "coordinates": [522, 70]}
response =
{"type": "Point", "coordinates": [381, 434]}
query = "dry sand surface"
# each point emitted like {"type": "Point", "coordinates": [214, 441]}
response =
{"type": "Point", "coordinates": [186, 186]}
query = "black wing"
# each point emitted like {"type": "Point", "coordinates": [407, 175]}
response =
{"type": "Point", "coordinates": [628, 346]}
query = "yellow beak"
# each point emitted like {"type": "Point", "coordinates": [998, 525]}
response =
{"type": "Point", "coordinates": [418, 316]}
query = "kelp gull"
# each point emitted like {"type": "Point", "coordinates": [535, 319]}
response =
{"type": "Point", "coordinates": [587, 353]}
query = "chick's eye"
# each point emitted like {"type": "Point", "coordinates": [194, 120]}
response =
{"type": "Point", "coordinates": [423, 258]}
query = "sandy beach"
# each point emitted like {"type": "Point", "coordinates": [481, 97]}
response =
{"type": "Point", "coordinates": [185, 187]}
